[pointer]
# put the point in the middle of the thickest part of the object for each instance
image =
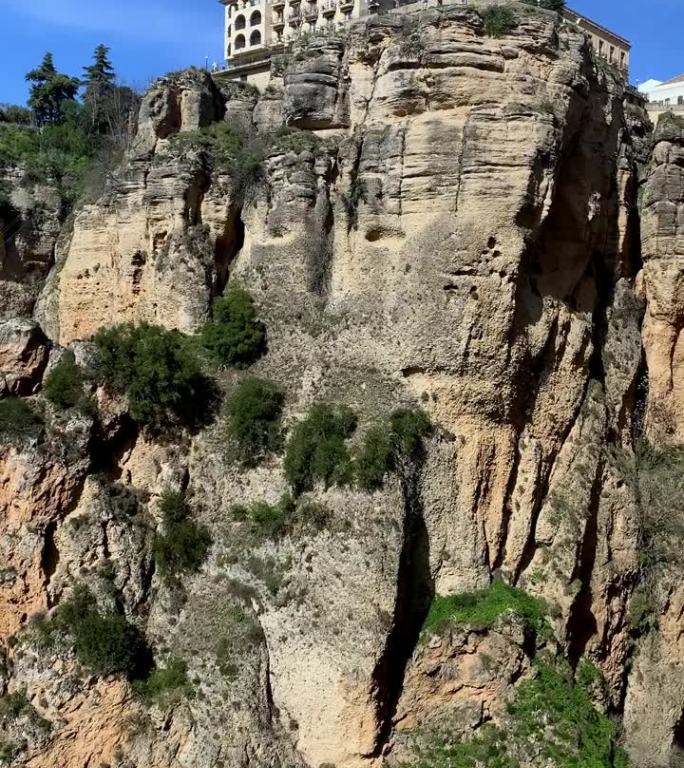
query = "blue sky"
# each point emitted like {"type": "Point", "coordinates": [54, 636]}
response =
{"type": "Point", "coordinates": [150, 37]}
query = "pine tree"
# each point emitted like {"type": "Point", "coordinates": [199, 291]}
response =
{"type": "Point", "coordinates": [99, 83]}
{"type": "Point", "coordinates": [50, 91]}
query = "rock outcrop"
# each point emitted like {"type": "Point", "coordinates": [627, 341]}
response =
{"type": "Point", "coordinates": [424, 215]}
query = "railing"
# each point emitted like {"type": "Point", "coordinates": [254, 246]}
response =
{"type": "Point", "coordinates": [329, 7]}
{"type": "Point", "coordinates": [311, 13]}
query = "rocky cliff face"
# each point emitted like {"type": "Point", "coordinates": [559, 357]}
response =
{"type": "Point", "coordinates": [479, 226]}
{"type": "Point", "coordinates": [30, 225]}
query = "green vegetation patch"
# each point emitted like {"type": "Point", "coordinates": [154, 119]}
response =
{"type": "Point", "coordinates": [228, 149]}
{"type": "Point", "coordinates": [14, 705]}
{"type": "Point", "coordinates": [271, 521]}
{"type": "Point", "coordinates": [552, 721]}
{"type": "Point", "coordinates": [660, 475]}
{"type": "Point", "coordinates": [234, 336]}
{"type": "Point", "coordinates": [18, 419]}
{"type": "Point", "coordinates": [266, 520]}
{"type": "Point", "coordinates": [498, 20]}
{"type": "Point", "coordinates": [253, 415]}
{"type": "Point", "coordinates": [64, 384]}
{"type": "Point", "coordinates": [409, 427]}
{"type": "Point", "coordinates": [160, 373]}
{"type": "Point", "coordinates": [317, 450]}
{"type": "Point", "coordinates": [104, 642]}
{"type": "Point", "coordinates": [62, 154]}
{"type": "Point", "coordinates": [481, 609]}
{"type": "Point", "coordinates": [183, 545]}
{"type": "Point", "coordinates": [165, 684]}
{"type": "Point", "coordinates": [385, 448]}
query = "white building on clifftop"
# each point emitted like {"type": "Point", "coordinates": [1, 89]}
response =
{"type": "Point", "coordinates": [665, 96]}
{"type": "Point", "coordinates": [255, 30]}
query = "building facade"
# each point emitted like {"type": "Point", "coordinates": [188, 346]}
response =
{"type": "Point", "coordinates": [608, 45]}
{"type": "Point", "coordinates": [257, 29]}
{"type": "Point", "coordinates": [665, 96]}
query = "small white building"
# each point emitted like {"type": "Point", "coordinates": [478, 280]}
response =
{"type": "Point", "coordinates": [665, 96]}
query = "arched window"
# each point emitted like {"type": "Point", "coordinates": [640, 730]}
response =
{"type": "Point", "coordinates": [255, 38]}
{"type": "Point", "coordinates": [240, 22]}
{"type": "Point", "coordinates": [239, 42]}
{"type": "Point", "coordinates": [255, 18]}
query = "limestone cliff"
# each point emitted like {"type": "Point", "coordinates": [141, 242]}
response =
{"type": "Point", "coordinates": [479, 226]}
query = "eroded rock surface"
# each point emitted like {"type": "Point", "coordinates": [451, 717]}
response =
{"type": "Point", "coordinates": [451, 221]}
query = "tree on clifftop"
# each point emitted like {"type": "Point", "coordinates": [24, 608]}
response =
{"type": "Point", "coordinates": [50, 92]}
{"type": "Point", "coordinates": [99, 88]}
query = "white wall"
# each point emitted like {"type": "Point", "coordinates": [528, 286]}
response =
{"type": "Point", "coordinates": [673, 92]}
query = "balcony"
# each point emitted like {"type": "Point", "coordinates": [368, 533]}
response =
{"type": "Point", "coordinates": [295, 18]}
{"type": "Point", "coordinates": [329, 8]}
{"type": "Point", "coordinates": [311, 12]}
{"type": "Point", "coordinates": [346, 5]}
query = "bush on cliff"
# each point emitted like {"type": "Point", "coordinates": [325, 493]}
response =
{"type": "Point", "coordinates": [165, 684]}
{"type": "Point", "coordinates": [253, 414]}
{"type": "Point", "coordinates": [384, 448]}
{"type": "Point", "coordinates": [266, 520]}
{"type": "Point", "coordinates": [551, 721]}
{"type": "Point", "coordinates": [498, 20]}
{"type": "Point", "coordinates": [105, 642]}
{"type": "Point", "coordinates": [234, 336]}
{"type": "Point", "coordinates": [64, 384]}
{"type": "Point", "coordinates": [317, 451]}
{"type": "Point", "coordinates": [183, 545]}
{"type": "Point", "coordinates": [18, 419]}
{"type": "Point", "coordinates": [482, 608]}
{"type": "Point", "coordinates": [159, 372]}
{"type": "Point", "coordinates": [59, 154]}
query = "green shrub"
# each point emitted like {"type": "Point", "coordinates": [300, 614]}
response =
{"type": "Point", "coordinates": [287, 516]}
{"type": "Point", "coordinates": [64, 384]}
{"type": "Point", "coordinates": [183, 546]}
{"type": "Point", "coordinates": [160, 373]}
{"type": "Point", "coordinates": [409, 427]}
{"type": "Point", "coordinates": [374, 459]}
{"type": "Point", "coordinates": [229, 150]}
{"type": "Point", "coordinates": [254, 412]}
{"type": "Point", "coordinates": [61, 154]}
{"type": "Point", "coordinates": [234, 336]}
{"type": "Point", "coordinates": [660, 475]}
{"type": "Point", "coordinates": [482, 608]}
{"type": "Point", "coordinates": [18, 419]}
{"type": "Point", "coordinates": [498, 20]}
{"type": "Point", "coordinates": [8, 751]}
{"type": "Point", "coordinates": [316, 451]}
{"type": "Point", "coordinates": [383, 448]}
{"type": "Point", "coordinates": [267, 520]}
{"type": "Point", "coordinates": [551, 722]}
{"type": "Point", "coordinates": [104, 642]}
{"type": "Point", "coordinates": [14, 705]}
{"type": "Point", "coordinates": [643, 611]}
{"type": "Point", "coordinates": [165, 684]}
